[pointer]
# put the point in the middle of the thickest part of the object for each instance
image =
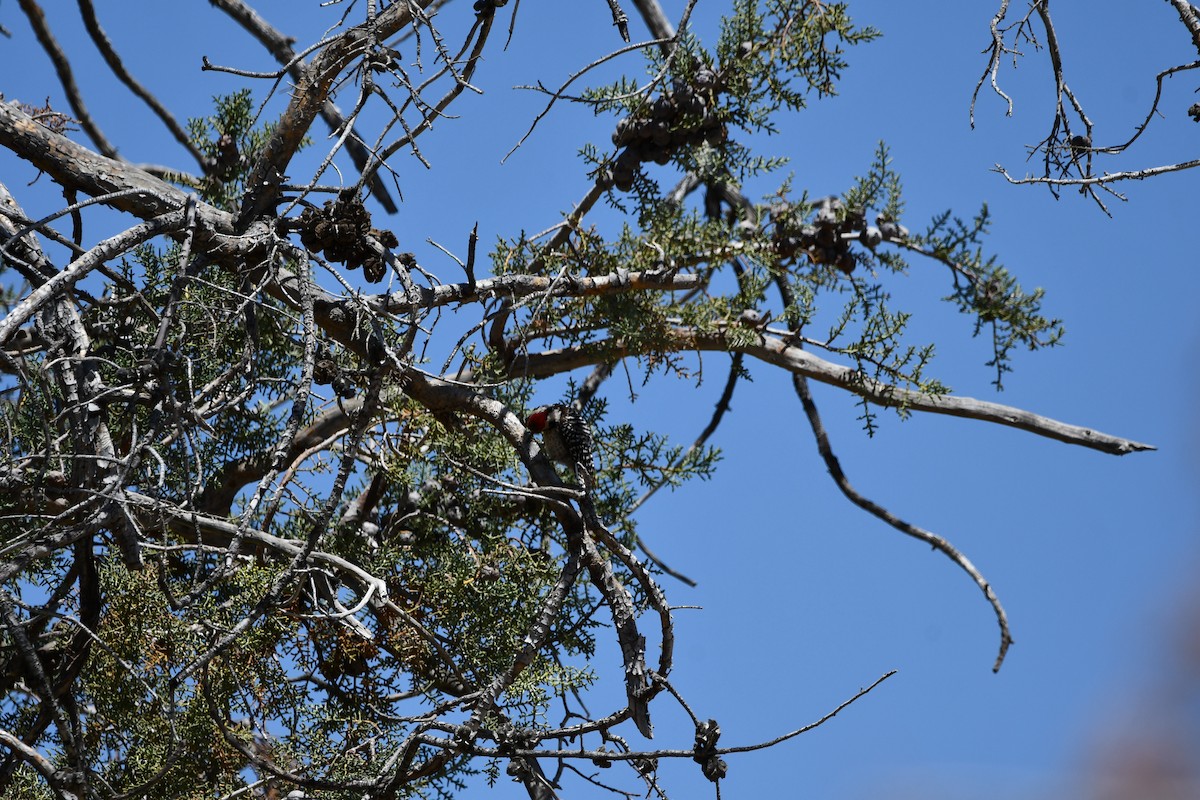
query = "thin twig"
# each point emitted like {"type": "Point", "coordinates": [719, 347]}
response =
{"type": "Point", "coordinates": [771, 743]}
{"type": "Point", "coordinates": [1105, 178]}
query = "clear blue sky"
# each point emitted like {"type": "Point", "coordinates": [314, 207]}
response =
{"type": "Point", "coordinates": [806, 599]}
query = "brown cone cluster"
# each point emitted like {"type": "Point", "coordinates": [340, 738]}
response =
{"type": "Point", "coordinates": [686, 115]}
{"type": "Point", "coordinates": [340, 229]}
{"type": "Point", "coordinates": [826, 237]}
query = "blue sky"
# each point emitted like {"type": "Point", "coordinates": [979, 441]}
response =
{"type": "Point", "coordinates": [806, 599]}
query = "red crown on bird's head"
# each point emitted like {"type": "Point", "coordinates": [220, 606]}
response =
{"type": "Point", "coordinates": [537, 421]}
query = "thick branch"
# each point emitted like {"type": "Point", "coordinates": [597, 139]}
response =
{"type": "Point", "coordinates": [438, 395]}
{"type": "Point", "coordinates": [1189, 17]}
{"type": "Point", "coordinates": [75, 166]}
{"type": "Point", "coordinates": [656, 21]}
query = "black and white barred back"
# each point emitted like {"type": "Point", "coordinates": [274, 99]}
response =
{"type": "Point", "coordinates": [566, 436]}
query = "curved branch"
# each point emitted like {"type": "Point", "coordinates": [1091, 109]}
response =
{"type": "Point", "coordinates": [938, 543]}
{"type": "Point", "coordinates": [995, 51]}
{"type": "Point", "coordinates": [80, 267]}
{"type": "Point", "coordinates": [1153, 112]}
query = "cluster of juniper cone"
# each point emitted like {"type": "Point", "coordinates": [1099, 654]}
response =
{"type": "Point", "coordinates": [340, 230]}
{"type": "Point", "coordinates": [326, 372]}
{"type": "Point", "coordinates": [704, 752]}
{"type": "Point", "coordinates": [826, 238]}
{"type": "Point", "coordinates": [687, 115]}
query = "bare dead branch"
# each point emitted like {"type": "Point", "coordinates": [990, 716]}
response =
{"type": "Point", "coordinates": [475, 41]}
{"type": "Point", "coordinates": [280, 47]}
{"type": "Point", "coordinates": [76, 166]}
{"type": "Point", "coordinates": [620, 21]}
{"type": "Point", "coordinates": [805, 729]}
{"type": "Point", "coordinates": [938, 543]}
{"type": "Point", "coordinates": [656, 21]}
{"type": "Point", "coordinates": [1189, 18]}
{"type": "Point", "coordinates": [775, 351]}
{"type": "Point", "coordinates": [1104, 178]}
{"type": "Point", "coordinates": [1067, 157]}
{"type": "Point", "coordinates": [308, 98]}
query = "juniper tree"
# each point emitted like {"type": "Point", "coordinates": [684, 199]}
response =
{"type": "Point", "coordinates": [272, 517]}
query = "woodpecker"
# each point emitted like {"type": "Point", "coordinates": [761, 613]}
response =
{"type": "Point", "coordinates": [566, 438]}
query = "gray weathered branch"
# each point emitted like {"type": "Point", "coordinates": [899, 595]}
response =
{"type": "Point", "coordinates": [773, 350]}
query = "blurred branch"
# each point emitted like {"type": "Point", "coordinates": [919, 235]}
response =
{"type": "Point", "coordinates": [88, 11]}
{"type": "Point", "coordinates": [41, 28]}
